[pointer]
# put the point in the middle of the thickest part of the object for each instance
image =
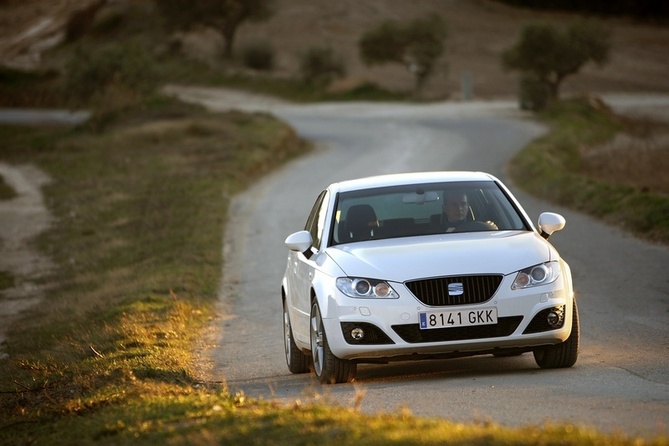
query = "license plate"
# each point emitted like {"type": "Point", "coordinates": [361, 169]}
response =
{"type": "Point", "coordinates": [460, 318]}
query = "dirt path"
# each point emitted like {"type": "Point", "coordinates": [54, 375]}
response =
{"type": "Point", "coordinates": [21, 220]}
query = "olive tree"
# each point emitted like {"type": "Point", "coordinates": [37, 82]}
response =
{"type": "Point", "coordinates": [545, 56]}
{"type": "Point", "coordinates": [417, 45]}
{"type": "Point", "coordinates": [223, 15]}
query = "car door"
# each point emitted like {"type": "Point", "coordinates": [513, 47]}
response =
{"type": "Point", "coordinates": [303, 266]}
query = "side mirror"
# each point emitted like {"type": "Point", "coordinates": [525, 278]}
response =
{"type": "Point", "coordinates": [549, 223]}
{"type": "Point", "coordinates": [299, 241]}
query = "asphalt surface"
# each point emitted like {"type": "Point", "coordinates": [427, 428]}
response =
{"type": "Point", "coordinates": [621, 380]}
{"type": "Point", "coordinates": [28, 116]}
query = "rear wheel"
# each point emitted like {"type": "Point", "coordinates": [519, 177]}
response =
{"type": "Point", "coordinates": [297, 361]}
{"type": "Point", "coordinates": [328, 368]}
{"type": "Point", "coordinates": [564, 354]}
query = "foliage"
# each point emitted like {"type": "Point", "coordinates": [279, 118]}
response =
{"type": "Point", "coordinates": [550, 55]}
{"type": "Point", "coordinates": [533, 93]}
{"type": "Point", "coordinates": [258, 55]}
{"type": "Point", "coordinates": [122, 73]}
{"type": "Point", "coordinates": [20, 88]}
{"type": "Point", "coordinates": [223, 15]}
{"type": "Point", "coordinates": [301, 92]}
{"type": "Point", "coordinates": [417, 45]}
{"type": "Point", "coordinates": [552, 168]}
{"type": "Point", "coordinates": [321, 65]}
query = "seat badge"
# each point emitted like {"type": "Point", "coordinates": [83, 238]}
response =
{"type": "Point", "coordinates": [456, 289]}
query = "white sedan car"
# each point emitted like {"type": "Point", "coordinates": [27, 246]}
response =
{"type": "Point", "coordinates": [420, 266]}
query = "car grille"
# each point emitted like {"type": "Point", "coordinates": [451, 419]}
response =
{"type": "Point", "coordinates": [413, 334]}
{"type": "Point", "coordinates": [435, 292]}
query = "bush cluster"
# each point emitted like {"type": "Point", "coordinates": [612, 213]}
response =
{"type": "Point", "coordinates": [258, 56]}
{"type": "Point", "coordinates": [90, 75]}
{"type": "Point", "coordinates": [321, 65]}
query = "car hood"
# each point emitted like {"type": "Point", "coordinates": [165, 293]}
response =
{"type": "Point", "coordinates": [403, 259]}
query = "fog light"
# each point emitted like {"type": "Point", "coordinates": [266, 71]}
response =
{"type": "Point", "coordinates": [553, 319]}
{"type": "Point", "coordinates": [357, 333]}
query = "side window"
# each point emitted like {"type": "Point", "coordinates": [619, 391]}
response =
{"type": "Point", "coordinates": [316, 221]}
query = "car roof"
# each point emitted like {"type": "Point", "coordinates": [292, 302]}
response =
{"type": "Point", "coordinates": [409, 178]}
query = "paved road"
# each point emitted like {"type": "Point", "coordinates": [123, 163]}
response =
{"type": "Point", "coordinates": [28, 116]}
{"type": "Point", "coordinates": [621, 380]}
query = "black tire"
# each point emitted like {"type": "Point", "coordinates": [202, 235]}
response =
{"type": "Point", "coordinates": [561, 355]}
{"type": "Point", "coordinates": [327, 367]}
{"type": "Point", "coordinates": [297, 361]}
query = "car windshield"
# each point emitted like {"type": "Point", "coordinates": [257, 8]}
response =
{"type": "Point", "coordinates": [411, 210]}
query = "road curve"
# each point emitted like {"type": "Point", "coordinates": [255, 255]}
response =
{"type": "Point", "coordinates": [621, 380]}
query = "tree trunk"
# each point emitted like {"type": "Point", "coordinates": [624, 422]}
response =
{"type": "Point", "coordinates": [228, 42]}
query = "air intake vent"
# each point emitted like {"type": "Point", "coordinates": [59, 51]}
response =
{"type": "Point", "coordinates": [465, 290]}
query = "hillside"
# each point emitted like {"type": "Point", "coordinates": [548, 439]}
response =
{"type": "Point", "coordinates": [479, 30]}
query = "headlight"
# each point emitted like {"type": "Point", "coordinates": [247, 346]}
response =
{"type": "Point", "coordinates": [366, 288]}
{"type": "Point", "coordinates": [537, 275]}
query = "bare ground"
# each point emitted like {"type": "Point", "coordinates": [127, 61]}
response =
{"type": "Point", "coordinates": [21, 220]}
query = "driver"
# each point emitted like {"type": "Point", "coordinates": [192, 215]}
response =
{"type": "Point", "coordinates": [457, 215]}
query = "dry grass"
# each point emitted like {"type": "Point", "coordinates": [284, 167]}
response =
{"type": "Point", "coordinates": [638, 157]}
{"type": "Point", "coordinates": [573, 166]}
{"type": "Point", "coordinates": [136, 241]}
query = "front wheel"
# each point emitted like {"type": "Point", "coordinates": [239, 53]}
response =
{"type": "Point", "coordinates": [564, 354]}
{"type": "Point", "coordinates": [297, 361]}
{"type": "Point", "coordinates": [328, 368]}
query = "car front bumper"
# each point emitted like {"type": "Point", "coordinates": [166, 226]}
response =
{"type": "Point", "coordinates": [391, 331]}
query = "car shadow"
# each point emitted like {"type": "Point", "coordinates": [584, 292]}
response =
{"type": "Point", "coordinates": [470, 367]}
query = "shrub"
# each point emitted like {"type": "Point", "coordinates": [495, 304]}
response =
{"type": "Point", "coordinates": [320, 65]}
{"type": "Point", "coordinates": [551, 55]}
{"type": "Point", "coordinates": [258, 56]}
{"type": "Point", "coordinates": [91, 75]}
{"type": "Point", "coordinates": [417, 45]}
{"type": "Point", "coordinates": [533, 94]}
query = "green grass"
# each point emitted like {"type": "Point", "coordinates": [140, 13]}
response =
{"type": "Point", "coordinates": [139, 213]}
{"type": "Point", "coordinates": [202, 417]}
{"type": "Point", "coordinates": [551, 168]}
